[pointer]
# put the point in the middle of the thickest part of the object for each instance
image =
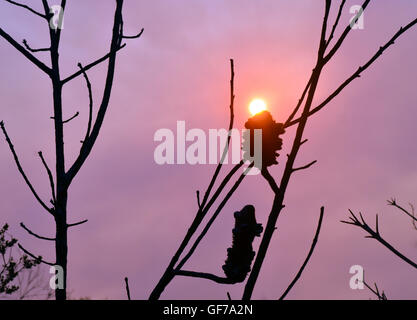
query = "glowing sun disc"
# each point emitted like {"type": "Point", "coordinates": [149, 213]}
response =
{"type": "Point", "coordinates": [257, 106]}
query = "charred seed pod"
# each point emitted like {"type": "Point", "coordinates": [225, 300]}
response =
{"type": "Point", "coordinates": [241, 254]}
{"type": "Point", "coordinates": [271, 142]}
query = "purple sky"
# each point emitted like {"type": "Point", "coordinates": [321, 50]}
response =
{"type": "Point", "coordinates": [139, 211]}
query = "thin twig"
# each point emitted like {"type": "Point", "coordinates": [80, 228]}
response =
{"type": "Point", "coordinates": [34, 234]}
{"type": "Point", "coordinates": [198, 198]}
{"type": "Point", "coordinates": [19, 167]}
{"type": "Point", "coordinates": [357, 73]}
{"type": "Point", "coordinates": [339, 13]}
{"type": "Point", "coordinates": [34, 50]}
{"type": "Point", "coordinates": [414, 217]}
{"type": "Point", "coordinates": [380, 295]}
{"type": "Point", "coordinates": [69, 119]}
{"type": "Point", "coordinates": [300, 101]}
{"type": "Point", "coordinates": [304, 167]}
{"type": "Point", "coordinates": [271, 181]}
{"type": "Point", "coordinates": [77, 223]}
{"type": "Point", "coordinates": [204, 275]}
{"type": "Point", "coordinates": [88, 144]}
{"type": "Point", "coordinates": [277, 205]}
{"type": "Point", "coordinates": [90, 99]}
{"type": "Point", "coordinates": [313, 245]}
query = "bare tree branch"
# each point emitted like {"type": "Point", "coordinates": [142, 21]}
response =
{"type": "Point", "coordinates": [92, 64]}
{"type": "Point", "coordinates": [414, 217]}
{"type": "Point", "coordinates": [27, 8]}
{"type": "Point", "coordinates": [277, 205]}
{"type": "Point", "coordinates": [77, 223]}
{"type": "Point", "coordinates": [313, 245]}
{"type": "Point", "coordinates": [90, 141]}
{"type": "Point", "coordinates": [19, 167]}
{"type": "Point", "coordinates": [204, 275]}
{"type": "Point", "coordinates": [393, 202]}
{"type": "Point", "coordinates": [34, 234]}
{"type": "Point", "coordinates": [205, 203]}
{"type": "Point", "coordinates": [339, 13]}
{"type": "Point", "coordinates": [135, 36]}
{"type": "Point", "coordinates": [198, 198]}
{"type": "Point", "coordinates": [34, 50]}
{"type": "Point", "coordinates": [271, 181]}
{"type": "Point", "coordinates": [213, 218]}
{"type": "Point", "coordinates": [304, 167]}
{"type": "Point", "coordinates": [358, 72]}
{"type": "Point", "coordinates": [127, 288]}
{"type": "Point", "coordinates": [344, 34]}
{"type": "Point", "coordinates": [38, 258]}
{"type": "Point", "coordinates": [69, 119]}
{"type": "Point", "coordinates": [73, 117]}
{"type": "Point", "coordinates": [226, 147]}
{"type": "Point", "coordinates": [376, 235]}
{"type": "Point", "coordinates": [300, 101]}
{"type": "Point", "coordinates": [90, 99]}
{"type": "Point", "coordinates": [51, 179]}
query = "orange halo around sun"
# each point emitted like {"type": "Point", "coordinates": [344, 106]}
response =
{"type": "Point", "coordinates": [256, 106]}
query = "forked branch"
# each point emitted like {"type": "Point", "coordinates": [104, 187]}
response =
{"type": "Point", "coordinates": [374, 234]}
{"type": "Point", "coordinates": [51, 179]}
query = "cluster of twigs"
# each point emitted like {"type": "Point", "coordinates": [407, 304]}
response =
{"type": "Point", "coordinates": [64, 177]}
{"type": "Point", "coordinates": [304, 109]}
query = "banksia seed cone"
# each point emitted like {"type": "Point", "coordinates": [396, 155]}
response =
{"type": "Point", "coordinates": [271, 142]}
{"type": "Point", "coordinates": [241, 254]}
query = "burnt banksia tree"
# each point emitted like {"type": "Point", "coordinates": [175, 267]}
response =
{"type": "Point", "coordinates": [241, 254]}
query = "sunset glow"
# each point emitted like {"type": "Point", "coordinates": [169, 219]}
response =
{"type": "Point", "coordinates": [257, 106]}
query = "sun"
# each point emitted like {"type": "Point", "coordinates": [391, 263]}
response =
{"type": "Point", "coordinates": [256, 106]}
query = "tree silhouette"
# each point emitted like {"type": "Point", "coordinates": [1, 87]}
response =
{"type": "Point", "coordinates": [63, 176]}
{"type": "Point", "coordinates": [299, 117]}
